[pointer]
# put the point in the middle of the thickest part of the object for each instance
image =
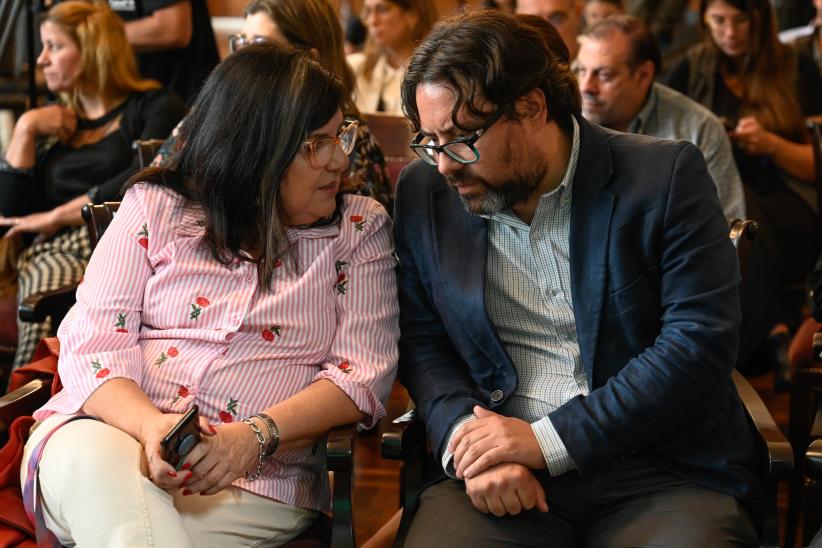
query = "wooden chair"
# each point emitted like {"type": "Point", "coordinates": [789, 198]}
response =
{"type": "Point", "coordinates": [405, 438]}
{"type": "Point", "coordinates": [393, 134]}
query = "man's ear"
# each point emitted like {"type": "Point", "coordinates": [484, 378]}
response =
{"type": "Point", "coordinates": [533, 107]}
{"type": "Point", "coordinates": [644, 74]}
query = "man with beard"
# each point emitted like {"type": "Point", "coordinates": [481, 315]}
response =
{"type": "Point", "coordinates": [617, 61]}
{"type": "Point", "coordinates": [569, 313]}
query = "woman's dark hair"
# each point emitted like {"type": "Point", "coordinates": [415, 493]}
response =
{"type": "Point", "coordinates": [768, 70]}
{"type": "Point", "coordinates": [491, 56]}
{"type": "Point", "coordinates": [248, 123]}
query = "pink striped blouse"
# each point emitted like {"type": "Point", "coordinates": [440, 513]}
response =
{"type": "Point", "coordinates": [155, 307]}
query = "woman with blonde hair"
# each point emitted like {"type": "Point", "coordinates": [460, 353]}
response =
{"type": "Point", "coordinates": [75, 151]}
{"type": "Point", "coordinates": [395, 27]}
{"type": "Point", "coordinates": [313, 26]}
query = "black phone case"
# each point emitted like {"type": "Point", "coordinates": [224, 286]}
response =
{"type": "Point", "coordinates": [182, 438]}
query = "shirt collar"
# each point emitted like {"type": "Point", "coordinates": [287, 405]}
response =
{"type": "Point", "coordinates": [647, 112]}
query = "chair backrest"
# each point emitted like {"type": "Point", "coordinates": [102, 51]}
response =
{"type": "Point", "coordinates": [816, 142]}
{"type": "Point", "coordinates": [393, 134]}
{"type": "Point", "coordinates": [743, 233]}
{"type": "Point", "coordinates": [97, 218]}
{"type": "Point", "coordinates": [146, 150]}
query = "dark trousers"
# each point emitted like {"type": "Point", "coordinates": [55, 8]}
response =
{"type": "Point", "coordinates": [634, 503]}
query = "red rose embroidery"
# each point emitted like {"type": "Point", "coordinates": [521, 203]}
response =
{"type": "Point", "coordinates": [99, 371]}
{"type": "Point", "coordinates": [172, 353]}
{"type": "Point", "coordinates": [183, 391]}
{"type": "Point", "coordinates": [270, 333]}
{"type": "Point", "coordinates": [202, 301]}
{"type": "Point", "coordinates": [341, 284]}
{"type": "Point", "coordinates": [143, 240]}
{"type": "Point", "coordinates": [230, 410]}
{"type": "Point", "coordinates": [121, 323]}
{"type": "Point", "coordinates": [345, 367]}
{"type": "Point", "coordinates": [358, 221]}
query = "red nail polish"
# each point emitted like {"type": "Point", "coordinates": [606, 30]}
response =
{"type": "Point", "coordinates": [172, 474]}
{"type": "Point", "coordinates": [189, 476]}
{"type": "Point", "coordinates": [186, 493]}
{"type": "Point", "coordinates": [186, 466]}
{"type": "Point", "coordinates": [212, 429]}
{"type": "Point", "coordinates": [203, 494]}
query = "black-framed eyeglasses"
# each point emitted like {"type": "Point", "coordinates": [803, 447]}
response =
{"type": "Point", "coordinates": [238, 41]}
{"type": "Point", "coordinates": [461, 149]}
{"type": "Point", "coordinates": [320, 150]}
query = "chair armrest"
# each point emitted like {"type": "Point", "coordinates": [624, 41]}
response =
{"type": "Point", "coordinates": [816, 356]}
{"type": "Point", "coordinates": [780, 454]}
{"type": "Point", "coordinates": [403, 437]}
{"type": "Point", "coordinates": [339, 450]}
{"type": "Point", "coordinates": [38, 306]}
{"type": "Point", "coordinates": [813, 460]}
{"type": "Point", "coordinates": [23, 401]}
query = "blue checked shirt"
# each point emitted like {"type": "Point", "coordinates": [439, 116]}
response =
{"type": "Point", "coordinates": [528, 298]}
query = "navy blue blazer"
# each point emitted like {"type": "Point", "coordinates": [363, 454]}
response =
{"type": "Point", "coordinates": [655, 295]}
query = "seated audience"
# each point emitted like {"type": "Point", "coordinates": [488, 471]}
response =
{"type": "Point", "coordinates": [763, 91]}
{"type": "Point", "coordinates": [395, 27]}
{"type": "Point", "coordinates": [173, 39]}
{"type": "Point", "coordinates": [579, 372]}
{"type": "Point", "coordinates": [312, 25]}
{"type": "Point", "coordinates": [245, 284]}
{"type": "Point", "coordinates": [78, 150]}
{"type": "Point", "coordinates": [594, 11]}
{"type": "Point", "coordinates": [617, 61]}
{"type": "Point", "coordinates": [563, 14]}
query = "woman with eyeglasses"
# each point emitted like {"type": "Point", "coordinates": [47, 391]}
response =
{"type": "Point", "coordinates": [312, 25]}
{"type": "Point", "coordinates": [239, 280]}
{"type": "Point", "coordinates": [764, 92]}
{"type": "Point", "coordinates": [395, 27]}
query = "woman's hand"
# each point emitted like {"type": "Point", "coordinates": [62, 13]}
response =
{"type": "Point", "coordinates": [152, 432]}
{"type": "Point", "coordinates": [751, 137]}
{"type": "Point", "coordinates": [51, 120]}
{"type": "Point", "coordinates": [220, 459]}
{"type": "Point", "coordinates": [44, 224]}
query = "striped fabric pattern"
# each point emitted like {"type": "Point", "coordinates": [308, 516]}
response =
{"type": "Point", "coordinates": [155, 307]}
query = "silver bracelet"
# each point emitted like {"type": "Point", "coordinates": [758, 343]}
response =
{"type": "Point", "coordinates": [261, 458]}
{"type": "Point", "coordinates": [273, 433]}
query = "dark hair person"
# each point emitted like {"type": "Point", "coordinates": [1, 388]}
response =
{"type": "Point", "coordinates": [312, 25]}
{"type": "Point", "coordinates": [245, 284]}
{"type": "Point", "coordinates": [763, 90]}
{"type": "Point", "coordinates": [77, 150]}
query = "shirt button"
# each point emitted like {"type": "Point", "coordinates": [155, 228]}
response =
{"type": "Point", "coordinates": [497, 395]}
{"type": "Point", "coordinates": [249, 278]}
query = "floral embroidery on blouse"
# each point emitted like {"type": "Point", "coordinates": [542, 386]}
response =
{"type": "Point", "coordinates": [172, 352]}
{"type": "Point", "coordinates": [345, 367]}
{"type": "Point", "coordinates": [197, 307]}
{"type": "Point", "coordinates": [121, 323]}
{"type": "Point", "coordinates": [230, 410]}
{"type": "Point", "coordinates": [272, 332]}
{"type": "Point", "coordinates": [359, 222]}
{"type": "Point", "coordinates": [143, 240]}
{"type": "Point", "coordinates": [98, 370]}
{"type": "Point", "coordinates": [182, 393]}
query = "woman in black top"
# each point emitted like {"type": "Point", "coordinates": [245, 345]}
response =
{"type": "Point", "coordinates": [763, 90]}
{"type": "Point", "coordinates": [79, 150]}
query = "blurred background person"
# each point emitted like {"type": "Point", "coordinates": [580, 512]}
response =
{"type": "Point", "coordinates": [355, 34]}
{"type": "Point", "coordinates": [807, 39]}
{"type": "Point", "coordinates": [565, 15]}
{"type": "Point", "coordinates": [616, 65]}
{"type": "Point", "coordinates": [595, 10]}
{"type": "Point", "coordinates": [312, 25]}
{"type": "Point", "coordinates": [78, 150]}
{"type": "Point", "coordinates": [763, 91]}
{"type": "Point", "coordinates": [395, 27]}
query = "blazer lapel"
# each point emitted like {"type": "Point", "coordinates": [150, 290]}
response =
{"type": "Point", "coordinates": [461, 244]}
{"type": "Point", "coordinates": [591, 210]}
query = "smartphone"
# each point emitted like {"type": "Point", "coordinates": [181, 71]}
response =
{"type": "Point", "coordinates": [182, 438]}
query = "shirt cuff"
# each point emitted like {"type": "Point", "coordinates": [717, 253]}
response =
{"type": "Point", "coordinates": [553, 449]}
{"type": "Point", "coordinates": [448, 456]}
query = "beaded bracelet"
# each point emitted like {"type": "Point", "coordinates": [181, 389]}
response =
{"type": "Point", "coordinates": [261, 458]}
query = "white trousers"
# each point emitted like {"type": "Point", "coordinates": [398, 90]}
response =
{"type": "Point", "coordinates": [95, 492]}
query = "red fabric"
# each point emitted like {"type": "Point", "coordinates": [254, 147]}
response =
{"type": "Point", "coordinates": [15, 527]}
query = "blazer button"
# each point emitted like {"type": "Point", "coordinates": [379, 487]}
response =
{"type": "Point", "coordinates": [497, 395]}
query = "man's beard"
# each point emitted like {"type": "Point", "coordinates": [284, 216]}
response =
{"type": "Point", "coordinates": [501, 196]}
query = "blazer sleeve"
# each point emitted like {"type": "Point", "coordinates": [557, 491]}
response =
{"type": "Point", "coordinates": [661, 393]}
{"type": "Point", "coordinates": [430, 368]}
